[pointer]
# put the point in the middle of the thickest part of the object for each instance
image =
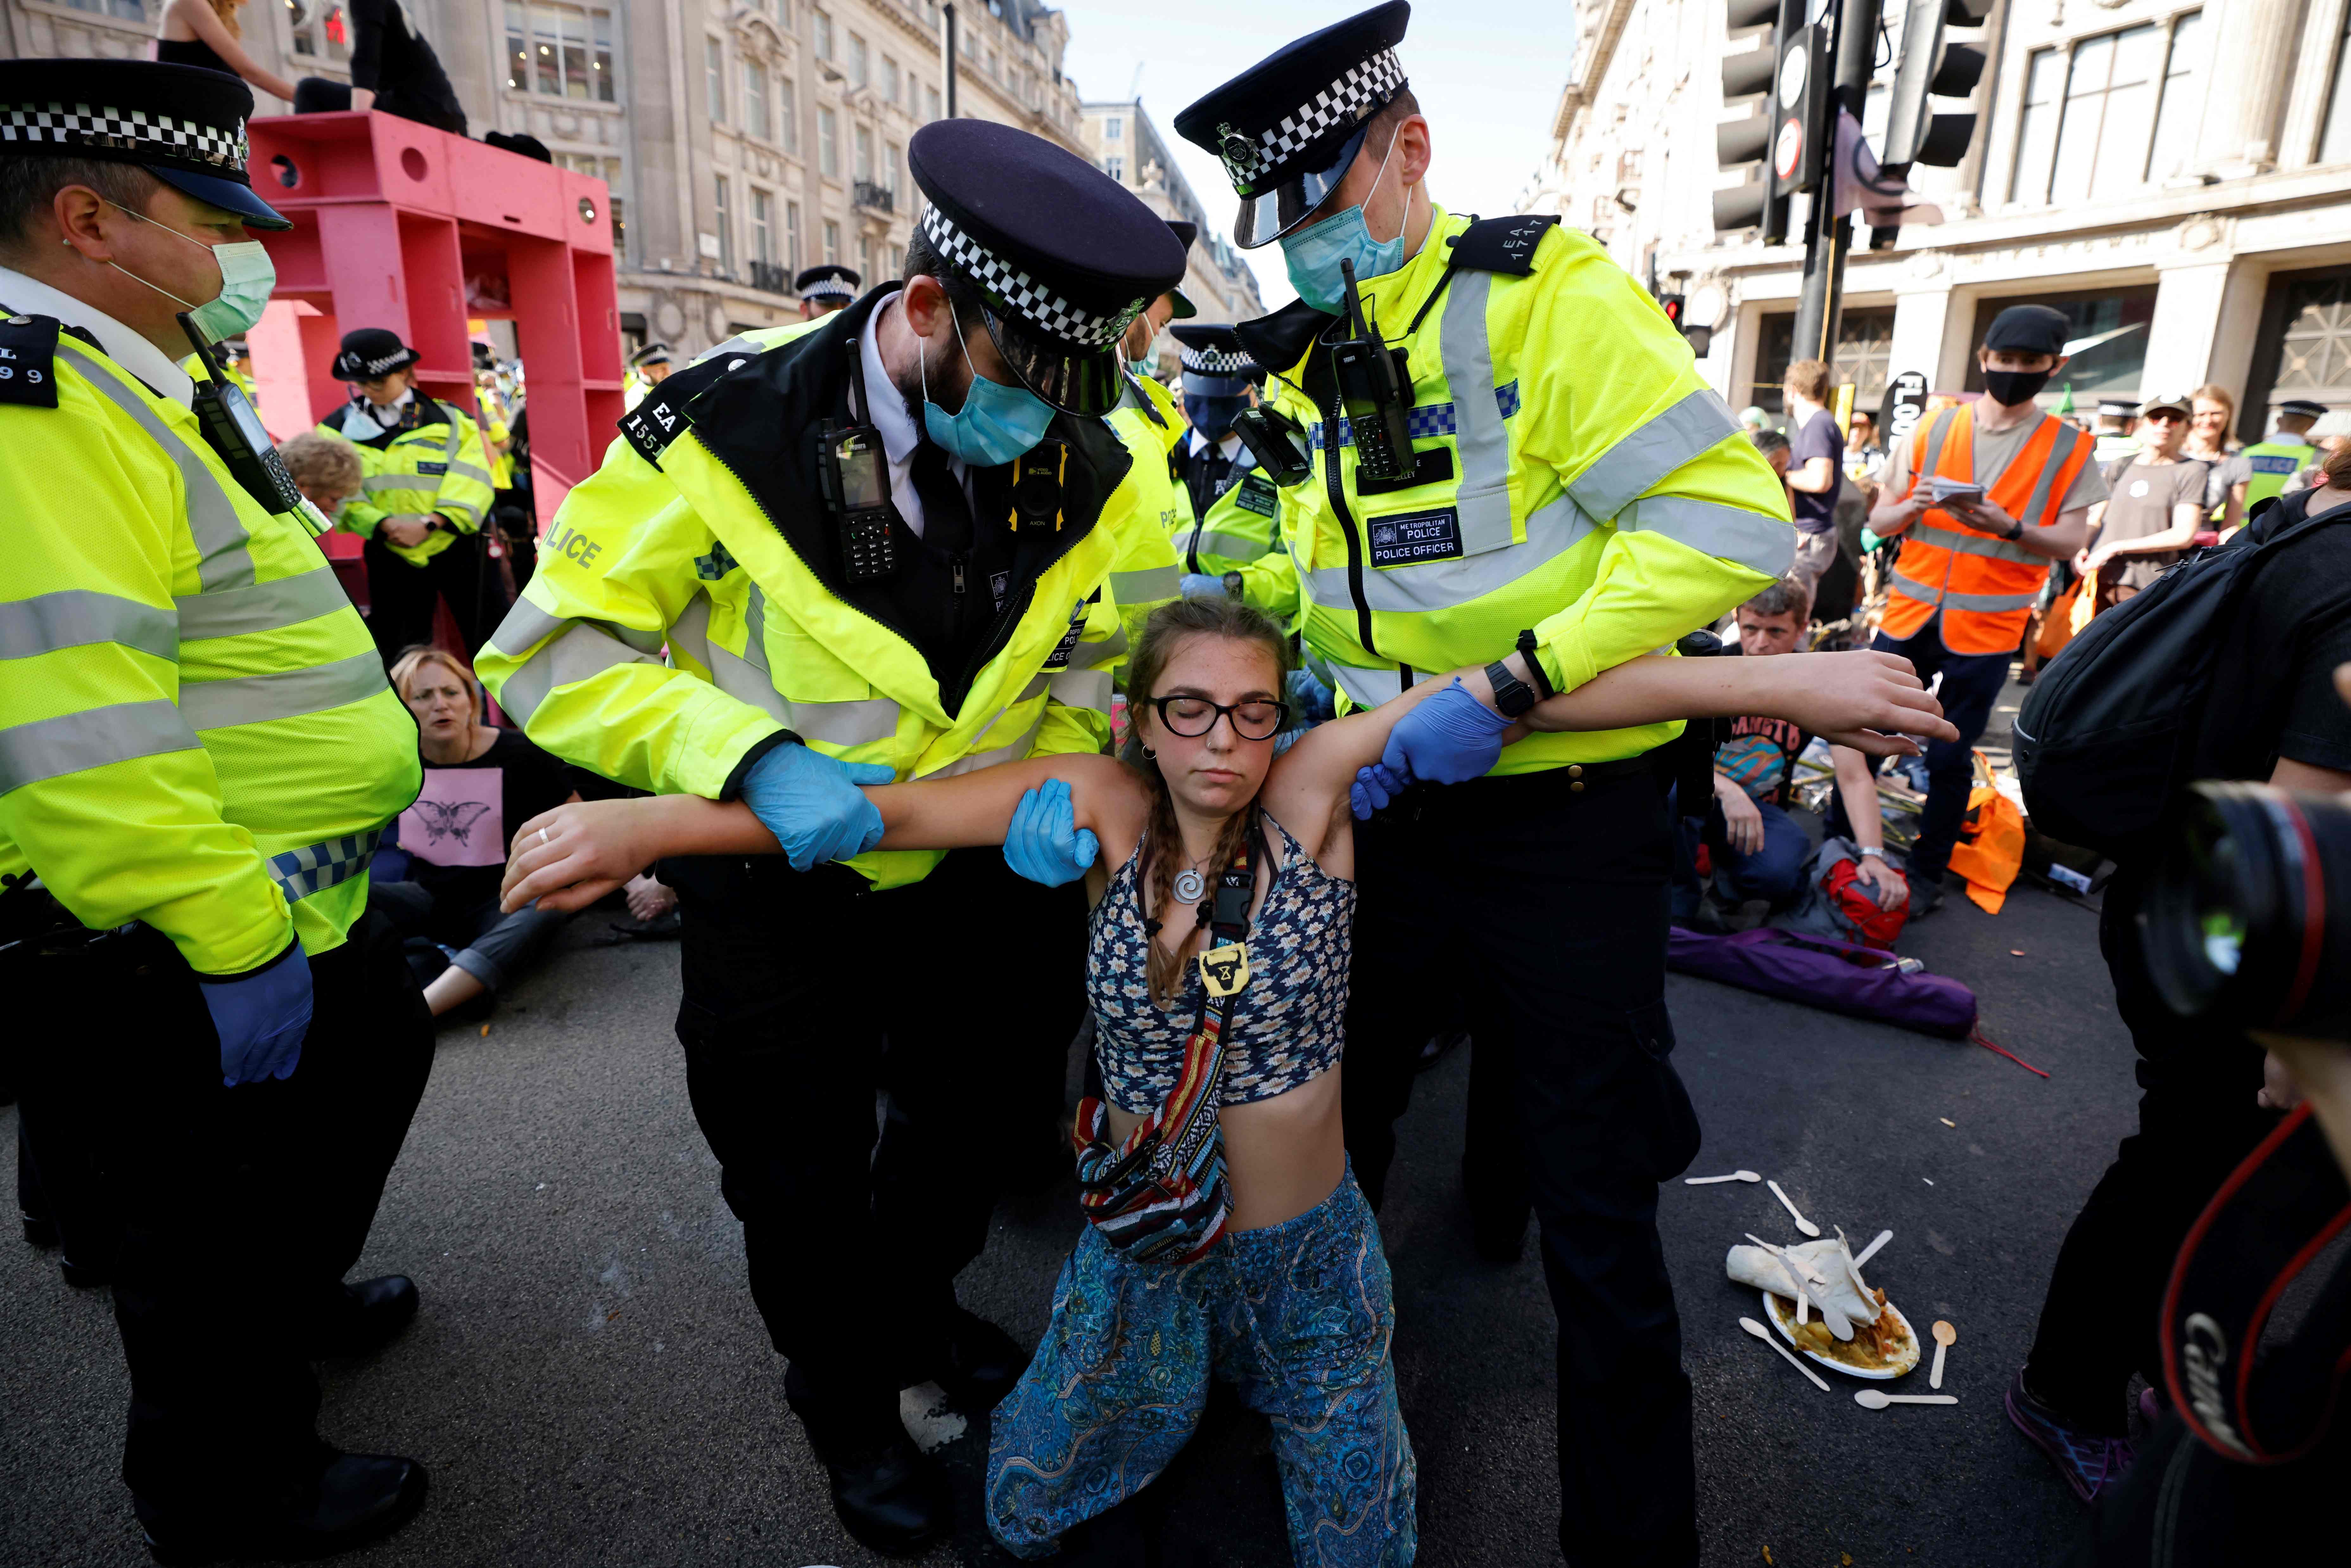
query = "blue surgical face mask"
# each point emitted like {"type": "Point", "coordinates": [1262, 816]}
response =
{"type": "Point", "coordinates": [1213, 416]}
{"type": "Point", "coordinates": [247, 277]}
{"type": "Point", "coordinates": [1312, 254]}
{"type": "Point", "coordinates": [996, 424]}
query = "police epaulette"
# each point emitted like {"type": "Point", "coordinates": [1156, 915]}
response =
{"type": "Point", "coordinates": [29, 361]}
{"type": "Point", "coordinates": [1501, 245]}
{"type": "Point", "coordinates": [667, 413]}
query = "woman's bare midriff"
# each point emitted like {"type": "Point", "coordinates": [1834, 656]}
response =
{"type": "Point", "coordinates": [1282, 1155]}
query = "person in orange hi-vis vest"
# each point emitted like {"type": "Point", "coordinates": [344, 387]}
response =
{"type": "Point", "coordinates": [1971, 567]}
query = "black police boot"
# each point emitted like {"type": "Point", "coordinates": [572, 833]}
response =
{"type": "Point", "coordinates": [40, 1231]}
{"type": "Point", "coordinates": [354, 1498]}
{"type": "Point", "coordinates": [978, 1365]}
{"type": "Point", "coordinates": [361, 1318]}
{"type": "Point", "coordinates": [890, 1495]}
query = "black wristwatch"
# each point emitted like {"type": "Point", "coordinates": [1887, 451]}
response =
{"type": "Point", "coordinates": [2015, 533]}
{"type": "Point", "coordinates": [1513, 697]}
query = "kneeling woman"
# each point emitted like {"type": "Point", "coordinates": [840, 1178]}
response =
{"type": "Point", "coordinates": [1289, 1296]}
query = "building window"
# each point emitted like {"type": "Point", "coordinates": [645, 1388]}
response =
{"type": "Point", "coordinates": [724, 226]}
{"type": "Point", "coordinates": [609, 171]}
{"type": "Point", "coordinates": [754, 101]}
{"type": "Point", "coordinates": [1115, 168]}
{"type": "Point", "coordinates": [763, 239]}
{"type": "Point", "coordinates": [831, 241]}
{"type": "Point", "coordinates": [1113, 128]}
{"type": "Point", "coordinates": [890, 169]}
{"type": "Point", "coordinates": [559, 50]}
{"type": "Point", "coordinates": [791, 126]}
{"type": "Point", "coordinates": [865, 257]}
{"type": "Point", "coordinates": [864, 165]}
{"type": "Point", "coordinates": [856, 60]}
{"type": "Point", "coordinates": [792, 235]}
{"type": "Point", "coordinates": [714, 78]}
{"type": "Point", "coordinates": [2182, 100]}
{"type": "Point", "coordinates": [2335, 143]}
{"type": "Point", "coordinates": [828, 143]}
{"type": "Point", "coordinates": [311, 23]}
{"type": "Point", "coordinates": [930, 103]}
{"type": "Point", "coordinates": [1865, 346]}
{"type": "Point", "coordinates": [2315, 350]}
{"type": "Point", "coordinates": [2090, 125]}
{"type": "Point", "coordinates": [890, 79]}
{"type": "Point", "coordinates": [821, 24]}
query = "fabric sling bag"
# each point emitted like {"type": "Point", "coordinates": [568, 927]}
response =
{"type": "Point", "coordinates": [1161, 1193]}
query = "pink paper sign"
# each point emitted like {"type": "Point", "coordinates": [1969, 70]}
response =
{"type": "Point", "coordinates": [459, 817]}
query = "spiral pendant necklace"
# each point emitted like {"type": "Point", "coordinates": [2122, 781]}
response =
{"type": "Point", "coordinates": [1189, 885]}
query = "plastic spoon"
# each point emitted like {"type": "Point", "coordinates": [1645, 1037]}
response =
{"type": "Point", "coordinates": [1945, 1337]}
{"type": "Point", "coordinates": [1873, 1399]}
{"type": "Point", "coordinates": [1709, 1181]}
{"type": "Point", "coordinates": [1760, 1331]}
{"type": "Point", "coordinates": [1806, 1225]}
{"type": "Point", "coordinates": [1870, 1251]}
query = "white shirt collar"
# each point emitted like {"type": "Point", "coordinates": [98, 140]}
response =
{"type": "Point", "coordinates": [126, 347]}
{"type": "Point", "coordinates": [885, 404]}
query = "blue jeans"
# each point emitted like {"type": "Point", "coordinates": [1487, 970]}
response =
{"type": "Point", "coordinates": [1775, 871]}
{"type": "Point", "coordinates": [1297, 1315]}
{"type": "Point", "coordinates": [1971, 684]}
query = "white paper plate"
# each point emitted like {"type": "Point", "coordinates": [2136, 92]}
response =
{"type": "Point", "coordinates": [1787, 1326]}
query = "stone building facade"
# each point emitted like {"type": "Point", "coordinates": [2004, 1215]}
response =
{"type": "Point", "coordinates": [2175, 174]}
{"type": "Point", "coordinates": [1126, 143]}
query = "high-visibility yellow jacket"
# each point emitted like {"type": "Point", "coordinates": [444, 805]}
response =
{"type": "Point", "coordinates": [2270, 466]}
{"type": "Point", "coordinates": [1574, 476]}
{"type": "Point", "coordinates": [195, 730]}
{"type": "Point", "coordinates": [1242, 532]}
{"type": "Point", "coordinates": [1146, 575]}
{"type": "Point", "coordinates": [725, 553]}
{"type": "Point", "coordinates": [437, 464]}
{"type": "Point", "coordinates": [497, 425]}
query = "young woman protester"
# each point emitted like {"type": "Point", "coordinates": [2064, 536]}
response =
{"type": "Point", "coordinates": [1269, 1272]}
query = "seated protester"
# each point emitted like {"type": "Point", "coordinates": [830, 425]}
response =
{"type": "Point", "coordinates": [479, 781]}
{"type": "Point", "coordinates": [2155, 505]}
{"type": "Point", "coordinates": [1758, 850]}
{"type": "Point", "coordinates": [1290, 1295]}
{"type": "Point", "coordinates": [325, 469]}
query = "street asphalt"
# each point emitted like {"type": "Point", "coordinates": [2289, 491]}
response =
{"type": "Point", "coordinates": [588, 1382]}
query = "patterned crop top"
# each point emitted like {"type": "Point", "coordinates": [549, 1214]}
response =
{"type": "Point", "coordinates": [1291, 1021]}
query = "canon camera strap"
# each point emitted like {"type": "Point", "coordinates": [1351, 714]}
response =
{"type": "Point", "coordinates": [2273, 1216]}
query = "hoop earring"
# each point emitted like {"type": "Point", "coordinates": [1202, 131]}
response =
{"type": "Point", "coordinates": [1149, 753]}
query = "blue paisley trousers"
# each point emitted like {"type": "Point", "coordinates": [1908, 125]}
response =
{"type": "Point", "coordinates": [1298, 1316]}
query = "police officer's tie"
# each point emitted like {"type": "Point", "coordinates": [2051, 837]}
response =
{"type": "Point", "coordinates": [946, 511]}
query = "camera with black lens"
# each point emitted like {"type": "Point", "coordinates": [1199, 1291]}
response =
{"type": "Point", "coordinates": [2246, 920]}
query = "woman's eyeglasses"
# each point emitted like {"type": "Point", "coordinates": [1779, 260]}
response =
{"type": "Point", "coordinates": [1259, 719]}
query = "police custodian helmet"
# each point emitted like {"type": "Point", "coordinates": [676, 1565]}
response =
{"type": "Point", "coordinates": [1064, 255]}
{"type": "Point", "coordinates": [1288, 127]}
{"type": "Point", "coordinates": [183, 124]}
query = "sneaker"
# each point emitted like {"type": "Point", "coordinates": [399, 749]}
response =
{"type": "Point", "coordinates": [2089, 1463]}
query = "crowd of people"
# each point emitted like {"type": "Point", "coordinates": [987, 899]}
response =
{"type": "Point", "coordinates": [1272, 774]}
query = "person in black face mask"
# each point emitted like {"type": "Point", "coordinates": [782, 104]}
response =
{"type": "Point", "coordinates": [1983, 496]}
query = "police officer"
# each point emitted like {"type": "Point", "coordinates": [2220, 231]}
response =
{"type": "Point", "coordinates": [648, 368]}
{"type": "Point", "coordinates": [1234, 527]}
{"type": "Point", "coordinates": [2268, 466]}
{"type": "Point", "coordinates": [825, 289]}
{"type": "Point", "coordinates": [425, 487]}
{"type": "Point", "coordinates": [1217, 375]}
{"type": "Point", "coordinates": [1536, 486]}
{"type": "Point", "coordinates": [934, 607]}
{"type": "Point", "coordinates": [1146, 575]}
{"type": "Point", "coordinates": [198, 752]}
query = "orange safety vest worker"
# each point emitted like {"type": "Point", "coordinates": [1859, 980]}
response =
{"type": "Point", "coordinates": [1983, 586]}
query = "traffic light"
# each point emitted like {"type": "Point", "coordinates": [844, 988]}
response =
{"type": "Point", "coordinates": [1932, 67]}
{"type": "Point", "coordinates": [1676, 309]}
{"type": "Point", "coordinates": [1779, 144]}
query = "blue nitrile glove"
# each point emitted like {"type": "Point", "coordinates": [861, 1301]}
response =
{"type": "Point", "coordinates": [261, 1017]}
{"type": "Point", "coordinates": [1310, 696]}
{"type": "Point", "coordinates": [1447, 740]}
{"type": "Point", "coordinates": [1201, 585]}
{"type": "Point", "coordinates": [1045, 843]}
{"type": "Point", "coordinates": [812, 804]}
{"type": "Point", "coordinates": [1373, 788]}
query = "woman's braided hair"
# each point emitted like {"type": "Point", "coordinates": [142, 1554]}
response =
{"type": "Point", "coordinates": [1167, 629]}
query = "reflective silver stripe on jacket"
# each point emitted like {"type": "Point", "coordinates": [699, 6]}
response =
{"type": "Point", "coordinates": [994, 755]}
{"type": "Point", "coordinates": [1482, 500]}
{"type": "Point", "coordinates": [261, 606]}
{"type": "Point", "coordinates": [2068, 438]}
{"type": "Point", "coordinates": [1148, 586]}
{"type": "Point", "coordinates": [1086, 655]}
{"type": "Point", "coordinates": [79, 617]}
{"type": "Point", "coordinates": [738, 344]}
{"type": "Point", "coordinates": [1973, 544]}
{"type": "Point", "coordinates": [1081, 688]}
{"type": "Point", "coordinates": [1233, 546]}
{"type": "Point", "coordinates": [1991, 603]}
{"type": "Point", "coordinates": [857, 722]}
{"type": "Point", "coordinates": [72, 742]}
{"type": "Point", "coordinates": [1761, 543]}
{"type": "Point", "coordinates": [467, 471]}
{"type": "Point", "coordinates": [314, 868]}
{"type": "Point", "coordinates": [384, 483]}
{"type": "Point", "coordinates": [1364, 688]}
{"type": "Point", "coordinates": [1647, 455]}
{"type": "Point", "coordinates": [223, 559]}
{"type": "Point", "coordinates": [284, 694]}
{"type": "Point", "coordinates": [1552, 532]}
{"type": "Point", "coordinates": [568, 650]}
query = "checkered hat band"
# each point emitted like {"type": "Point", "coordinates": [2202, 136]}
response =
{"type": "Point", "coordinates": [158, 135]}
{"type": "Point", "coordinates": [373, 368]}
{"type": "Point", "coordinates": [1217, 362]}
{"type": "Point", "coordinates": [1032, 300]}
{"type": "Point", "coordinates": [826, 288]}
{"type": "Point", "coordinates": [1365, 86]}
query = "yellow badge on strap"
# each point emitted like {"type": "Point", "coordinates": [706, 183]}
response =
{"type": "Point", "coordinates": [1225, 970]}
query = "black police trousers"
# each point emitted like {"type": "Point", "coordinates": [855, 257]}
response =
{"type": "Point", "coordinates": [2198, 1120]}
{"type": "Point", "coordinates": [241, 1209]}
{"type": "Point", "coordinates": [1536, 911]}
{"type": "Point", "coordinates": [400, 597]}
{"type": "Point", "coordinates": [805, 994]}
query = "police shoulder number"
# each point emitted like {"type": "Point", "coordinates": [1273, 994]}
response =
{"type": "Point", "coordinates": [29, 355]}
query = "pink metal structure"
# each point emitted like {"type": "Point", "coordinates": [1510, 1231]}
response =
{"type": "Point", "coordinates": [401, 225]}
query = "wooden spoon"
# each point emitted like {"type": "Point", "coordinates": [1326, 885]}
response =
{"type": "Point", "coordinates": [1945, 1337]}
{"type": "Point", "coordinates": [1806, 1225]}
{"type": "Point", "coordinates": [1877, 1399]}
{"type": "Point", "coordinates": [1767, 1337]}
{"type": "Point", "coordinates": [1707, 1181]}
{"type": "Point", "coordinates": [1866, 1253]}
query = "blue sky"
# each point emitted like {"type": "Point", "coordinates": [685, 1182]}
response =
{"type": "Point", "coordinates": [1486, 73]}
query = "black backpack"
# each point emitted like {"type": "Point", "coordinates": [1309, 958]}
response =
{"type": "Point", "coordinates": [2113, 727]}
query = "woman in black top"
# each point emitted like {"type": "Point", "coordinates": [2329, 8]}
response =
{"type": "Point", "coordinates": [481, 782]}
{"type": "Point", "coordinates": [205, 32]}
{"type": "Point", "coordinates": [393, 69]}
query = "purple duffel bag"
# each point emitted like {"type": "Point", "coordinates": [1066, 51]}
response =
{"type": "Point", "coordinates": [1823, 972]}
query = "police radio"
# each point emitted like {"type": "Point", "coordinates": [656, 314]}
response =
{"type": "Point", "coordinates": [1277, 442]}
{"type": "Point", "coordinates": [1374, 390]}
{"type": "Point", "coordinates": [236, 433]}
{"type": "Point", "coordinates": [856, 479]}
